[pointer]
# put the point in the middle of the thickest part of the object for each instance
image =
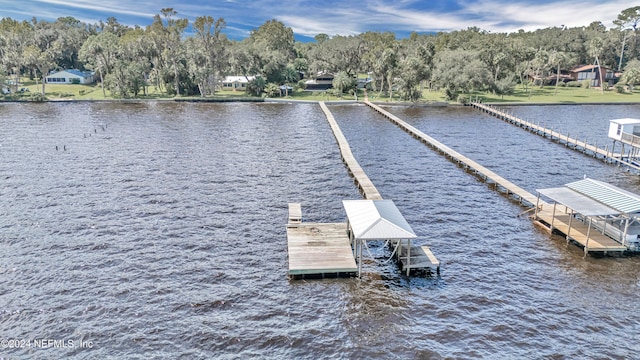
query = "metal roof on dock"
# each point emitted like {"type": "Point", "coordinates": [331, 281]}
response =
{"type": "Point", "coordinates": [377, 219]}
{"type": "Point", "coordinates": [593, 197]}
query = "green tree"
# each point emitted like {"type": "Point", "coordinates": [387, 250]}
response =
{"type": "Point", "coordinates": [272, 47]}
{"type": "Point", "coordinates": [289, 77]}
{"type": "Point", "coordinates": [99, 53]}
{"type": "Point", "coordinates": [343, 82]}
{"type": "Point", "coordinates": [557, 58]}
{"type": "Point", "coordinates": [460, 71]}
{"type": "Point", "coordinates": [14, 38]}
{"type": "Point", "coordinates": [340, 53]}
{"type": "Point", "coordinates": [207, 53]}
{"type": "Point", "coordinates": [256, 86]}
{"type": "Point", "coordinates": [272, 90]}
{"type": "Point", "coordinates": [628, 19]}
{"type": "Point", "coordinates": [412, 71]}
{"type": "Point", "coordinates": [72, 33]}
{"type": "Point", "coordinates": [167, 32]}
{"type": "Point", "coordinates": [540, 64]}
{"type": "Point", "coordinates": [505, 86]}
{"type": "Point", "coordinates": [631, 75]}
{"type": "Point", "coordinates": [41, 55]}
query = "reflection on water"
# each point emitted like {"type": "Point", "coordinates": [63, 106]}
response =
{"type": "Point", "coordinates": [159, 232]}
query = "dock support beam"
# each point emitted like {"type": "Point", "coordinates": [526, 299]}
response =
{"type": "Point", "coordinates": [553, 217]}
{"type": "Point", "coordinates": [569, 229]}
{"type": "Point", "coordinates": [586, 245]}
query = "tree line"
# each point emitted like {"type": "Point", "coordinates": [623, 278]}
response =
{"type": "Point", "coordinates": [127, 60]}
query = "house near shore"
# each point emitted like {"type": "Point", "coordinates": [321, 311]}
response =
{"type": "Point", "coordinates": [323, 81]}
{"type": "Point", "coordinates": [71, 76]}
{"type": "Point", "coordinates": [590, 72]}
{"type": "Point", "coordinates": [236, 83]}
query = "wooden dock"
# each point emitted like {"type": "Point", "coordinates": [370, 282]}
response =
{"type": "Point", "coordinates": [582, 146]}
{"type": "Point", "coordinates": [421, 258]}
{"type": "Point", "coordinates": [364, 184]}
{"type": "Point", "coordinates": [576, 231]}
{"type": "Point", "coordinates": [318, 249]}
{"type": "Point", "coordinates": [582, 234]}
{"type": "Point", "coordinates": [501, 184]}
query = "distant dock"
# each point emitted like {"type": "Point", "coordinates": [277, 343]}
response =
{"type": "Point", "coordinates": [555, 218]}
{"type": "Point", "coordinates": [581, 146]}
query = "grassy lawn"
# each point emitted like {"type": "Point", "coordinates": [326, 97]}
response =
{"type": "Point", "coordinates": [565, 95]}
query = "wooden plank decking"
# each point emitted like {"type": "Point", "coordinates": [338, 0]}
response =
{"type": "Point", "coordinates": [320, 249]}
{"type": "Point", "coordinates": [596, 241]}
{"type": "Point", "coordinates": [365, 185]}
{"type": "Point", "coordinates": [295, 214]}
{"type": "Point", "coordinates": [421, 258]}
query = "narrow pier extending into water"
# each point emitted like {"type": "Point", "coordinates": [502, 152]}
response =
{"type": "Point", "coordinates": [582, 146]}
{"type": "Point", "coordinates": [364, 184]}
{"type": "Point", "coordinates": [501, 184]}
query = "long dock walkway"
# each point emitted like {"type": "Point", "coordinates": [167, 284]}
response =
{"type": "Point", "coordinates": [582, 146]}
{"type": "Point", "coordinates": [510, 189]}
{"type": "Point", "coordinates": [366, 187]}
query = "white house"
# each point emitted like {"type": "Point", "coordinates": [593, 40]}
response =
{"type": "Point", "coordinates": [71, 76]}
{"type": "Point", "coordinates": [236, 83]}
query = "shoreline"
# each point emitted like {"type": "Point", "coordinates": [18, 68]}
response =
{"type": "Point", "coordinates": [303, 101]}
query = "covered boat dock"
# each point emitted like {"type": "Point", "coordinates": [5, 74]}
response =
{"type": "Point", "coordinates": [596, 215]}
{"type": "Point", "coordinates": [336, 249]}
{"type": "Point", "coordinates": [380, 220]}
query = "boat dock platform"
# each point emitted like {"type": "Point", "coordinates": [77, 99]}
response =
{"type": "Point", "coordinates": [582, 146]}
{"type": "Point", "coordinates": [331, 249]}
{"type": "Point", "coordinates": [421, 258]}
{"type": "Point", "coordinates": [320, 250]}
{"type": "Point", "coordinates": [317, 249]}
{"type": "Point", "coordinates": [582, 234]}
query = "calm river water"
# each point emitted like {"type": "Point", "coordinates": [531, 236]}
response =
{"type": "Point", "coordinates": [156, 230]}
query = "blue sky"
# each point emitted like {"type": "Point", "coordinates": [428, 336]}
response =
{"type": "Point", "coordinates": [308, 18]}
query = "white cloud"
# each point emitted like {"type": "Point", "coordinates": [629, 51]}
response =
{"type": "Point", "coordinates": [313, 27]}
{"type": "Point", "coordinates": [500, 15]}
{"type": "Point", "coordinates": [104, 6]}
{"type": "Point", "coordinates": [334, 17]}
